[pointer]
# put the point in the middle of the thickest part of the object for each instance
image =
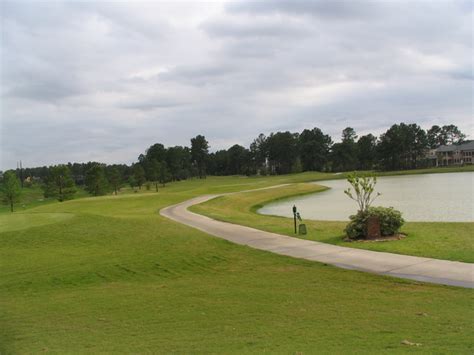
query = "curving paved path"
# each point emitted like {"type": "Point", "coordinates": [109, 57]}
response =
{"type": "Point", "coordinates": [409, 267]}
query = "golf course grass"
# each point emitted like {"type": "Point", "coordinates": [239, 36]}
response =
{"type": "Point", "coordinates": [116, 277]}
{"type": "Point", "coordinates": [440, 240]}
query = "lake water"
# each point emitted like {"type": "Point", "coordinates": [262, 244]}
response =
{"type": "Point", "coordinates": [447, 197]}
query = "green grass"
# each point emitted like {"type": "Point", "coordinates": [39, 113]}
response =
{"type": "Point", "coordinates": [33, 196]}
{"type": "Point", "coordinates": [117, 277]}
{"type": "Point", "coordinates": [450, 241]}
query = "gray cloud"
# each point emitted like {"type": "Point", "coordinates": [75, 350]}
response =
{"type": "Point", "coordinates": [103, 81]}
{"type": "Point", "coordinates": [330, 10]}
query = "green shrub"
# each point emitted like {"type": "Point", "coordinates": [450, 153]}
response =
{"type": "Point", "coordinates": [390, 222]}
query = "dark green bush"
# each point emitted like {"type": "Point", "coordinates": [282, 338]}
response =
{"type": "Point", "coordinates": [390, 222]}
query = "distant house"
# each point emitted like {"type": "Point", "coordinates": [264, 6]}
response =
{"type": "Point", "coordinates": [454, 154]}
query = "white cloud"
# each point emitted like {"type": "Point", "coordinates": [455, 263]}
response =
{"type": "Point", "coordinates": [105, 80]}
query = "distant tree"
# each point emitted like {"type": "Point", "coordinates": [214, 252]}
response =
{"type": "Point", "coordinates": [259, 154]}
{"type": "Point", "coordinates": [238, 158]}
{"type": "Point", "coordinates": [367, 151]}
{"type": "Point", "coordinates": [344, 155]}
{"type": "Point", "coordinates": [451, 134]}
{"type": "Point", "coordinates": [403, 146]}
{"type": "Point", "coordinates": [139, 175]}
{"type": "Point", "coordinates": [434, 137]}
{"type": "Point", "coordinates": [95, 180]}
{"type": "Point", "coordinates": [165, 175]}
{"type": "Point", "coordinates": [115, 178]}
{"type": "Point", "coordinates": [282, 151]}
{"type": "Point", "coordinates": [179, 162]}
{"type": "Point", "coordinates": [418, 145]}
{"type": "Point", "coordinates": [155, 168]}
{"type": "Point", "coordinates": [349, 135]}
{"type": "Point", "coordinates": [59, 183]}
{"type": "Point", "coordinates": [10, 189]}
{"type": "Point", "coordinates": [314, 148]}
{"type": "Point", "coordinates": [132, 182]}
{"type": "Point", "coordinates": [156, 152]}
{"type": "Point", "coordinates": [447, 134]}
{"type": "Point", "coordinates": [219, 162]}
{"type": "Point", "coordinates": [199, 154]}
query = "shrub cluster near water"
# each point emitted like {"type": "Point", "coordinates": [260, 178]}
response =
{"type": "Point", "coordinates": [362, 191]}
{"type": "Point", "coordinates": [390, 222]}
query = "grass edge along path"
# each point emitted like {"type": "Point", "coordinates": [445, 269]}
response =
{"type": "Point", "coordinates": [438, 240]}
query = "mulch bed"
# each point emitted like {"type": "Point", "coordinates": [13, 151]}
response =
{"type": "Point", "coordinates": [381, 239]}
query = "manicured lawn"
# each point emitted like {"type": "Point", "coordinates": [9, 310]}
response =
{"type": "Point", "coordinates": [33, 196]}
{"type": "Point", "coordinates": [114, 276]}
{"type": "Point", "coordinates": [450, 241]}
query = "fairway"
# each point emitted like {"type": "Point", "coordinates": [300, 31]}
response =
{"type": "Point", "coordinates": [117, 277]}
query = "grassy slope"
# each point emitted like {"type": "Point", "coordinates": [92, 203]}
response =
{"type": "Point", "coordinates": [450, 241]}
{"type": "Point", "coordinates": [32, 197]}
{"type": "Point", "coordinates": [117, 277]}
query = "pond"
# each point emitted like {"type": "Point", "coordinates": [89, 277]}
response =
{"type": "Point", "coordinates": [447, 197]}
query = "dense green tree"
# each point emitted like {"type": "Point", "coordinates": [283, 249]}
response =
{"type": "Point", "coordinates": [344, 155]}
{"type": "Point", "coordinates": [282, 151]}
{"type": "Point", "coordinates": [156, 152]}
{"type": "Point", "coordinates": [155, 168]}
{"type": "Point", "coordinates": [402, 147]}
{"type": "Point", "coordinates": [367, 151]}
{"type": "Point", "coordinates": [10, 189]}
{"type": "Point", "coordinates": [199, 154]}
{"type": "Point", "coordinates": [132, 182]}
{"type": "Point", "coordinates": [349, 135]}
{"type": "Point", "coordinates": [219, 162]}
{"type": "Point", "coordinates": [259, 154]}
{"type": "Point", "coordinates": [179, 162]}
{"type": "Point", "coordinates": [314, 148]}
{"type": "Point", "coordinates": [447, 134]}
{"type": "Point", "coordinates": [95, 180]}
{"type": "Point", "coordinates": [238, 160]}
{"type": "Point", "coordinates": [418, 145]}
{"type": "Point", "coordinates": [59, 183]}
{"type": "Point", "coordinates": [165, 175]}
{"type": "Point", "coordinates": [115, 178]}
{"type": "Point", "coordinates": [139, 174]}
{"type": "Point", "coordinates": [434, 137]}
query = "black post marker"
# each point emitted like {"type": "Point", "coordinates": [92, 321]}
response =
{"type": "Point", "coordinates": [294, 216]}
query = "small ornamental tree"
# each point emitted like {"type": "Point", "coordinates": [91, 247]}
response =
{"type": "Point", "coordinates": [59, 183]}
{"type": "Point", "coordinates": [364, 187]}
{"type": "Point", "coordinates": [10, 189]}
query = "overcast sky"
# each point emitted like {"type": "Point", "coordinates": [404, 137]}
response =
{"type": "Point", "coordinates": [103, 81]}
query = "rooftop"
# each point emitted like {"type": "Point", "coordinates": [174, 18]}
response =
{"type": "Point", "coordinates": [450, 148]}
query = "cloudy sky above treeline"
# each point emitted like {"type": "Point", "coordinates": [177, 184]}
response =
{"type": "Point", "coordinates": [102, 81]}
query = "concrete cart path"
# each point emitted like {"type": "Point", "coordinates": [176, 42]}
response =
{"type": "Point", "coordinates": [409, 267]}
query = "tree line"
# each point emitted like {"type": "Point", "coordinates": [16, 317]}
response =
{"type": "Point", "coordinates": [402, 146]}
